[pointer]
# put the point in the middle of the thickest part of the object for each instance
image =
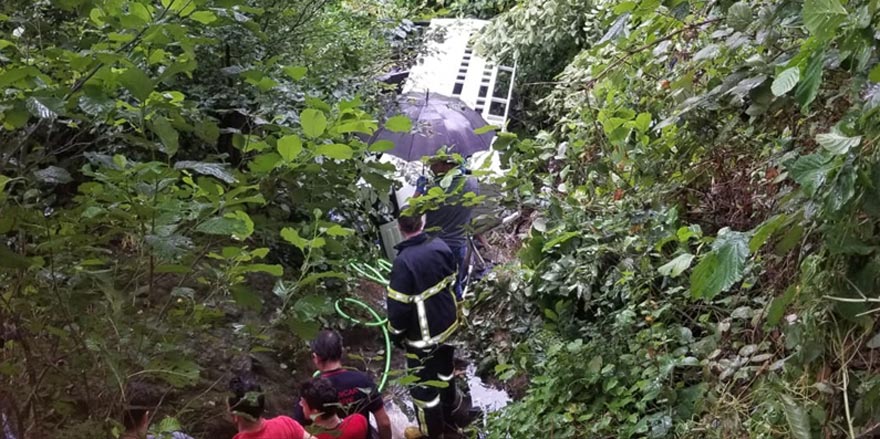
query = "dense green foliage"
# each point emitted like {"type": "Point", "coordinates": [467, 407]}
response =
{"type": "Point", "coordinates": [166, 167]}
{"type": "Point", "coordinates": [701, 181]}
{"type": "Point", "coordinates": [703, 253]}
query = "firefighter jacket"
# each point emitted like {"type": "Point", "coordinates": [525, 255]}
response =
{"type": "Point", "coordinates": [421, 301]}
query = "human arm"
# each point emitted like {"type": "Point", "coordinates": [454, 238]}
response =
{"type": "Point", "coordinates": [383, 423]}
{"type": "Point", "coordinates": [399, 312]}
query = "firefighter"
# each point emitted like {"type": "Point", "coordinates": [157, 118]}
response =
{"type": "Point", "coordinates": [422, 315]}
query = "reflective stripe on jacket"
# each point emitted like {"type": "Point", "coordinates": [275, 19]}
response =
{"type": "Point", "coordinates": [421, 301]}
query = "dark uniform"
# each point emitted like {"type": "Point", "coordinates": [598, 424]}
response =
{"type": "Point", "coordinates": [422, 315]}
{"type": "Point", "coordinates": [449, 222]}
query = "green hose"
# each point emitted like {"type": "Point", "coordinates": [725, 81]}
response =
{"type": "Point", "coordinates": [379, 321]}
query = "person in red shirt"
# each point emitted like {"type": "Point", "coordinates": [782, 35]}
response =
{"type": "Point", "coordinates": [247, 404]}
{"type": "Point", "coordinates": [320, 403]}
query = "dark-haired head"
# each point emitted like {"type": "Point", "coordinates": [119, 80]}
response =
{"type": "Point", "coordinates": [410, 224]}
{"type": "Point", "coordinates": [140, 399]}
{"type": "Point", "coordinates": [327, 346]}
{"type": "Point", "coordinates": [319, 399]}
{"type": "Point", "coordinates": [247, 400]}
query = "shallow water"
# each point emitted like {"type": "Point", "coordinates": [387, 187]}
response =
{"type": "Point", "coordinates": [483, 396]}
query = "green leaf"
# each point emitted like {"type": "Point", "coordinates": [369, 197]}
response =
{"type": "Point", "coordinates": [208, 131]}
{"type": "Point", "coordinates": [216, 170]}
{"type": "Point", "coordinates": [11, 259]}
{"type": "Point", "coordinates": [481, 130]}
{"type": "Point", "coordinates": [289, 147]}
{"type": "Point", "coordinates": [246, 221]}
{"type": "Point", "coordinates": [169, 425]}
{"type": "Point", "coordinates": [246, 298]}
{"type": "Point", "coordinates": [874, 342]}
{"type": "Point", "coordinates": [778, 306]}
{"type": "Point", "coordinates": [676, 266]}
{"type": "Point", "coordinates": [337, 231]}
{"type": "Point", "coordinates": [642, 122]}
{"type": "Point", "coordinates": [559, 240]}
{"type": "Point", "coordinates": [44, 107]}
{"type": "Point", "coordinates": [291, 235]}
{"type": "Point", "coordinates": [823, 16]}
{"type": "Point", "coordinates": [264, 162]}
{"type": "Point", "coordinates": [381, 146]}
{"type": "Point", "coordinates": [836, 143]}
{"type": "Point", "coordinates": [335, 151]}
{"type": "Point", "coordinates": [97, 15]}
{"type": "Point", "coordinates": [204, 17]}
{"type": "Point", "coordinates": [797, 417]}
{"type": "Point", "coordinates": [273, 269]}
{"type": "Point", "coordinates": [398, 124]}
{"type": "Point", "coordinates": [722, 267]}
{"type": "Point", "coordinates": [305, 329]}
{"type": "Point", "coordinates": [313, 122]}
{"type": "Point", "coordinates": [53, 175]}
{"type": "Point", "coordinates": [811, 171]}
{"type": "Point", "coordinates": [296, 72]}
{"type": "Point", "coordinates": [765, 231]}
{"type": "Point", "coordinates": [137, 82]}
{"type": "Point", "coordinates": [237, 224]}
{"type": "Point", "coordinates": [739, 16]}
{"type": "Point", "coordinates": [874, 75]}
{"type": "Point", "coordinates": [167, 135]}
{"type": "Point", "coordinates": [808, 87]}
{"type": "Point", "coordinates": [786, 81]}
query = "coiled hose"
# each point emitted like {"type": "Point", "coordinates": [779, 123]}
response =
{"type": "Point", "coordinates": [376, 275]}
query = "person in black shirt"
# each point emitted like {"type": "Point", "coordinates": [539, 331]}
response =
{"type": "Point", "coordinates": [350, 385]}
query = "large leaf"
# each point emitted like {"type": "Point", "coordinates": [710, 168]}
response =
{"type": "Point", "coordinates": [335, 151]}
{"type": "Point", "coordinates": [11, 259]}
{"type": "Point", "coordinates": [246, 298]}
{"type": "Point", "coordinates": [739, 16]}
{"type": "Point", "coordinates": [786, 81]}
{"type": "Point", "coordinates": [676, 266]}
{"type": "Point", "coordinates": [808, 87]}
{"type": "Point", "coordinates": [291, 235]}
{"type": "Point", "coordinates": [811, 171]}
{"type": "Point", "coordinates": [837, 143]}
{"type": "Point", "coordinates": [765, 231]}
{"type": "Point", "coordinates": [44, 107]}
{"type": "Point", "coordinates": [167, 135]}
{"type": "Point", "coordinates": [398, 124]}
{"type": "Point", "coordinates": [137, 82]}
{"type": "Point", "coordinates": [797, 417]}
{"type": "Point", "coordinates": [722, 267]}
{"type": "Point", "coordinates": [289, 147]}
{"type": "Point", "coordinates": [204, 17]}
{"type": "Point", "coordinates": [823, 16]}
{"type": "Point", "coordinates": [217, 170]}
{"type": "Point", "coordinates": [53, 175]}
{"type": "Point", "coordinates": [236, 224]}
{"type": "Point", "coordinates": [296, 72]}
{"type": "Point", "coordinates": [313, 122]}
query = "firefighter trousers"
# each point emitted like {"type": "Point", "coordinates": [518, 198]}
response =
{"type": "Point", "coordinates": [433, 402]}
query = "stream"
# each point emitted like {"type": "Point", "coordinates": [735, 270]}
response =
{"type": "Point", "coordinates": [483, 395]}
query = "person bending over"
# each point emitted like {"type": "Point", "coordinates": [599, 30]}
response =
{"type": "Point", "coordinates": [247, 405]}
{"type": "Point", "coordinates": [356, 391]}
{"type": "Point", "coordinates": [320, 403]}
